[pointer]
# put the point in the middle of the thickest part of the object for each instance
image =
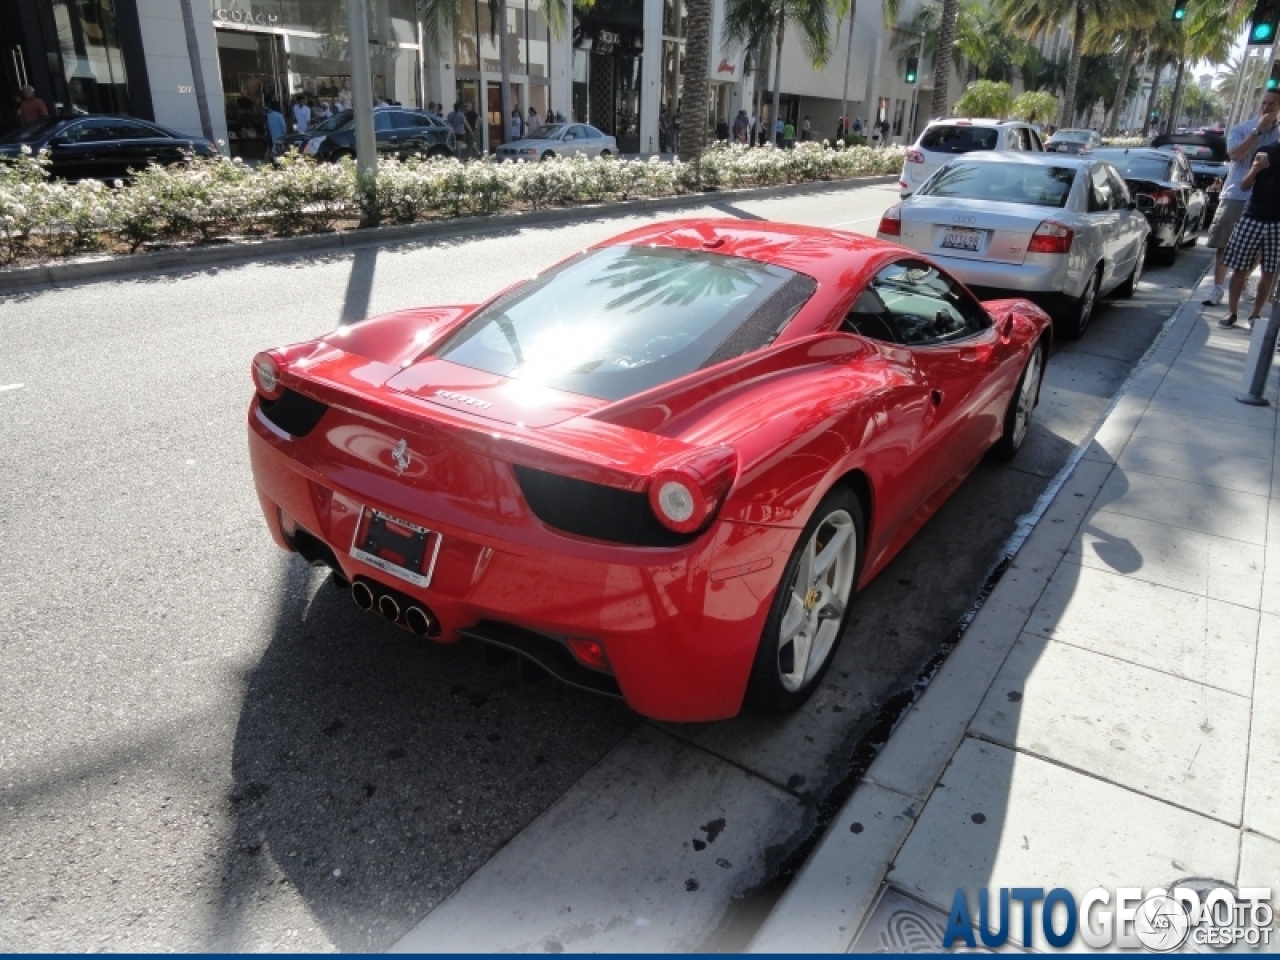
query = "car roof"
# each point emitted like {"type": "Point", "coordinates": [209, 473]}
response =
{"type": "Point", "coordinates": [1150, 153]}
{"type": "Point", "coordinates": [972, 122]}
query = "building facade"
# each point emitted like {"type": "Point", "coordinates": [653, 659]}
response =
{"type": "Point", "coordinates": [617, 64]}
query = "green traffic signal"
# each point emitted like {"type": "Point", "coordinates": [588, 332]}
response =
{"type": "Point", "coordinates": [1179, 10]}
{"type": "Point", "coordinates": [913, 66]}
{"type": "Point", "coordinates": [1263, 22]}
{"type": "Point", "coordinates": [1261, 32]}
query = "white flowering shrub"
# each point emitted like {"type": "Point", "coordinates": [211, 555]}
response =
{"type": "Point", "coordinates": [1125, 141]}
{"type": "Point", "coordinates": [205, 199]}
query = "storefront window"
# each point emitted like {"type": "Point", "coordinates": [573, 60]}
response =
{"type": "Point", "coordinates": [513, 37]}
{"type": "Point", "coordinates": [88, 66]}
{"type": "Point", "coordinates": [250, 64]}
{"type": "Point", "coordinates": [539, 40]}
{"type": "Point", "coordinates": [466, 51]}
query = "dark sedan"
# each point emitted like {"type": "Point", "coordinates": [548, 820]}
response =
{"type": "Point", "coordinates": [1073, 141]}
{"type": "Point", "coordinates": [1174, 206]}
{"type": "Point", "coordinates": [103, 148]}
{"type": "Point", "coordinates": [1207, 153]}
{"type": "Point", "coordinates": [397, 131]}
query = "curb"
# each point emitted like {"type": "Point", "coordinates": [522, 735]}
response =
{"type": "Point", "coordinates": [68, 273]}
{"type": "Point", "coordinates": [825, 906]}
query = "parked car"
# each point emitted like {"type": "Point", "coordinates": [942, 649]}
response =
{"type": "Point", "coordinates": [560, 140]}
{"type": "Point", "coordinates": [1162, 184]}
{"type": "Point", "coordinates": [398, 132]}
{"type": "Point", "coordinates": [1073, 141]}
{"type": "Point", "coordinates": [1060, 230]}
{"type": "Point", "coordinates": [1207, 154]}
{"type": "Point", "coordinates": [661, 469]}
{"type": "Point", "coordinates": [942, 140]}
{"type": "Point", "coordinates": [96, 147]}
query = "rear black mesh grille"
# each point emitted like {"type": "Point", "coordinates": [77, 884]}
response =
{"type": "Point", "coordinates": [293, 413]}
{"type": "Point", "coordinates": [592, 510]}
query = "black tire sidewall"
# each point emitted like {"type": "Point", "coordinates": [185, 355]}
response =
{"type": "Point", "coordinates": [765, 693]}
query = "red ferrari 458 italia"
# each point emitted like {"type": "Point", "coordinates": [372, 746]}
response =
{"type": "Point", "coordinates": [662, 468]}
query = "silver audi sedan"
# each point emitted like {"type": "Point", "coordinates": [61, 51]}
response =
{"type": "Point", "coordinates": [560, 140]}
{"type": "Point", "coordinates": [1060, 230]}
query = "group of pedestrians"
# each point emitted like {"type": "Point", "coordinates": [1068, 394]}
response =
{"type": "Point", "coordinates": [1246, 227]}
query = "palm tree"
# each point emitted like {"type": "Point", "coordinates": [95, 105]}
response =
{"type": "Point", "coordinates": [942, 57]}
{"type": "Point", "coordinates": [440, 17]}
{"type": "Point", "coordinates": [695, 87]}
{"type": "Point", "coordinates": [1209, 34]}
{"type": "Point", "coordinates": [753, 22]}
{"type": "Point", "coordinates": [1033, 19]}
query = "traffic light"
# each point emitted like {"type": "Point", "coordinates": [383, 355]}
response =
{"type": "Point", "coordinates": [913, 66]}
{"type": "Point", "coordinates": [1179, 10]}
{"type": "Point", "coordinates": [1273, 81]}
{"type": "Point", "coordinates": [1155, 114]}
{"type": "Point", "coordinates": [1264, 22]}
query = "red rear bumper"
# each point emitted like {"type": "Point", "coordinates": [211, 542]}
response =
{"type": "Point", "coordinates": [679, 626]}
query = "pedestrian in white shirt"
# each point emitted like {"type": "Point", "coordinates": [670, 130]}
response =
{"type": "Point", "coordinates": [301, 115]}
{"type": "Point", "coordinates": [517, 124]}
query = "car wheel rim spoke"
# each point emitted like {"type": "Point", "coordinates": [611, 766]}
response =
{"type": "Point", "coordinates": [1027, 398]}
{"type": "Point", "coordinates": [819, 595]}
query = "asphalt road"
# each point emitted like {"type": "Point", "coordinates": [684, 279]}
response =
{"type": "Point", "coordinates": [204, 746]}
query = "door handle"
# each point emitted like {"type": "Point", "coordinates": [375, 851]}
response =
{"type": "Point", "coordinates": [936, 397]}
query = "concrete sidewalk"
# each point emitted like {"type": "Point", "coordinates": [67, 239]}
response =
{"type": "Point", "coordinates": [1111, 718]}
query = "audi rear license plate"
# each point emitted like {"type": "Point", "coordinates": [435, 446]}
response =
{"type": "Point", "coordinates": [958, 238]}
{"type": "Point", "coordinates": [396, 547]}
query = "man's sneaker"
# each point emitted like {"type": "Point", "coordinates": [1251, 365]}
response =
{"type": "Point", "coordinates": [1228, 321]}
{"type": "Point", "coordinates": [1215, 296]}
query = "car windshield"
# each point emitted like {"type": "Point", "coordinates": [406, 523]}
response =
{"type": "Point", "coordinates": [548, 131]}
{"type": "Point", "coordinates": [1075, 136]}
{"type": "Point", "coordinates": [616, 321]}
{"type": "Point", "coordinates": [959, 139]}
{"type": "Point", "coordinates": [336, 122]}
{"type": "Point", "coordinates": [37, 131]}
{"type": "Point", "coordinates": [1031, 183]}
{"type": "Point", "coordinates": [1140, 168]}
{"type": "Point", "coordinates": [1191, 152]}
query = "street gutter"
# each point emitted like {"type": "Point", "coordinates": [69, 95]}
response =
{"type": "Point", "coordinates": [90, 269]}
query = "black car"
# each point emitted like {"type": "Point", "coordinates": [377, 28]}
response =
{"type": "Point", "coordinates": [1207, 154]}
{"type": "Point", "coordinates": [399, 132]}
{"type": "Point", "coordinates": [103, 148]}
{"type": "Point", "coordinates": [1165, 191]}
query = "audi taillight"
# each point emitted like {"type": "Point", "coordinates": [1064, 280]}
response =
{"type": "Point", "coordinates": [1051, 237]}
{"type": "Point", "coordinates": [891, 221]}
{"type": "Point", "coordinates": [266, 376]}
{"type": "Point", "coordinates": [915, 156]}
{"type": "Point", "coordinates": [1162, 198]}
{"type": "Point", "coordinates": [685, 495]}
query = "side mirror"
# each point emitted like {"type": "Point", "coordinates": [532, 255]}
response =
{"type": "Point", "coordinates": [1005, 327]}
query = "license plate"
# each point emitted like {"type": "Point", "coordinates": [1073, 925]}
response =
{"type": "Point", "coordinates": [397, 547]}
{"type": "Point", "coordinates": [962, 240]}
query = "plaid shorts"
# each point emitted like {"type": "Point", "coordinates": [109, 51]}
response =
{"type": "Point", "coordinates": [1250, 239]}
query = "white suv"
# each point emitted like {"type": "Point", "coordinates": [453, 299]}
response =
{"type": "Point", "coordinates": [943, 140]}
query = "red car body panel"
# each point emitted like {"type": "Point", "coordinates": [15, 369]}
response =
{"type": "Point", "coordinates": [679, 625]}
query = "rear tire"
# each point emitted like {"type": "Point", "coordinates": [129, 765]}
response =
{"type": "Point", "coordinates": [1075, 317]}
{"type": "Point", "coordinates": [811, 607]}
{"type": "Point", "coordinates": [1017, 418]}
{"type": "Point", "coordinates": [1128, 288]}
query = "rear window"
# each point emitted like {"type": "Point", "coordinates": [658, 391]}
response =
{"type": "Point", "coordinates": [615, 322]}
{"type": "Point", "coordinates": [1075, 136]}
{"type": "Point", "coordinates": [1190, 152]}
{"type": "Point", "coordinates": [965, 139]}
{"type": "Point", "coordinates": [1031, 183]}
{"type": "Point", "coordinates": [1140, 168]}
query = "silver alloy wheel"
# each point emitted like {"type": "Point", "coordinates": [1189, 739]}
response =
{"type": "Point", "coordinates": [1086, 302]}
{"type": "Point", "coordinates": [819, 593]}
{"type": "Point", "coordinates": [1027, 397]}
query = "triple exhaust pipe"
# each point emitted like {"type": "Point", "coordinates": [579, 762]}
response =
{"type": "Point", "coordinates": [399, 611]}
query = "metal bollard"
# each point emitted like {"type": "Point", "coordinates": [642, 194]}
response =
{"type": "Point", "coordinates": [1257, 366]}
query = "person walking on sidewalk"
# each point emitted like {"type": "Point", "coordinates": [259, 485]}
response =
{"type": "Point", "coordinates": [1257, 233]}
{"type": "Point", "coordinates": [463, 137]}
{"type": "Point", "coordinates": [1243, 141]}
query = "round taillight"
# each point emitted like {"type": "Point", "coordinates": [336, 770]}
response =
{"type": "Point", "coordinates": [266, 376]}
{"type": "Point", "coordinates": [678, 502]}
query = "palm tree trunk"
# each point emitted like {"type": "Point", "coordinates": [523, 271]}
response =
{"type": "Point", "coordinates": [1073, 69]}
{"type": "Point", "coordinates": [1126, 68]}
{"type": "Point", "coordinates": [848, 63]}
{"type": "Point", "coordinates": [1175, 104]}
{"type": "Point", "coordinates": [1151, 98]}
{"type": "Point", "coordinates": [777, 81]}
{"type": "Point", "coordinates": [942, 58]}
{"type": "Point", "coordinates": [506, 70]}
{"type": "Point", "coordinates": [693, 77]}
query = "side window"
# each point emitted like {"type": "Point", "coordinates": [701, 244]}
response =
{"type": "Point", "coordinates": [1100, 192]}
{"type": "Point", "coordinates": [592, 133]}
{"type": "Point", "coordinates": [576, 132]}
{"type": "Point", "coordinates": [131, 130]}
{"type": "Point", "coordinates": [1013, 139]}
{"type": "Point", "coordinates": [869, 318]}
{"type": "Point", "coordinates": [1036, 142]}
{"type": "Point", "coordinates": [381, 120]}
{"type": "Point", "coordinates": [89, 131]}
{"type": "Point", "coordinates": [925, 306]}
{"type": "Point", "coordinates": [1119, 190]}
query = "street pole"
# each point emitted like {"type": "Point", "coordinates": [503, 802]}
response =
{"type": "Point", "coordinates": [848, 64]}
{"type": "Point", "coordinates": [1257, 365]}
{"type": "Point", "coordinates": [362, 106]}
{"type": "Point", "coordinates": [915, 94]}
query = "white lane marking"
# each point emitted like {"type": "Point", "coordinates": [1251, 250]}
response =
{"type": "Point", "coordinates": [843, 223]}
{"type": "Point", "coordinates": [10, 386]}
